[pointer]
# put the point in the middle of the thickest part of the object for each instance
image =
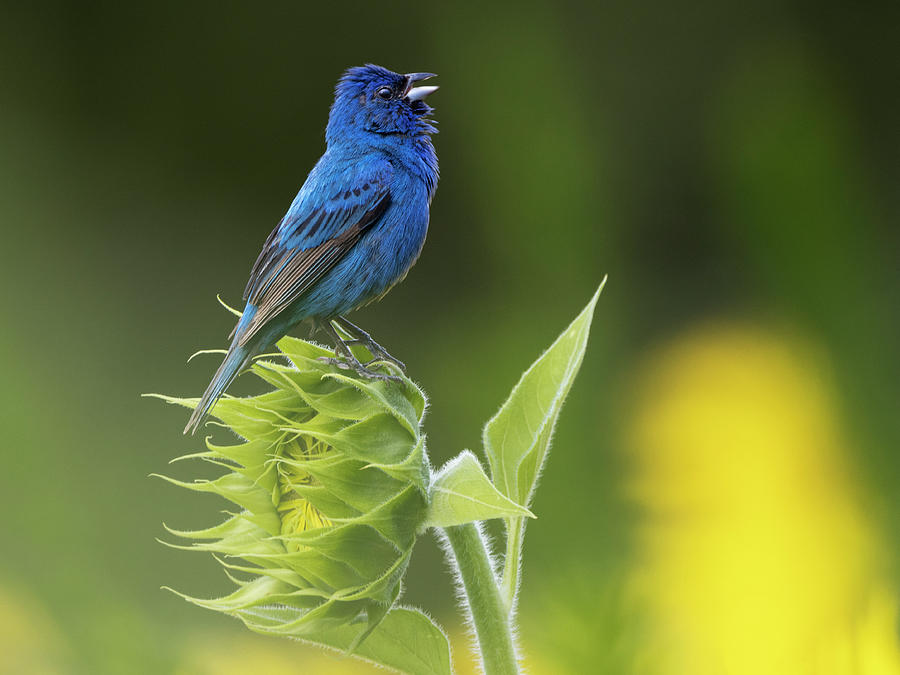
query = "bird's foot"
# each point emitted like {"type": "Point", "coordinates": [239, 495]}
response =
{"type": "Point", "coordinates": [381, 356]}
{"type": "Point", "coordinates": [361, 369]}
{"type": "Point", "coordinates": [346, 360]}
{"type": "Point", "coordinates": [361, 337]}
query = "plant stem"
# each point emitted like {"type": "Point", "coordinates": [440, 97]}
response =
{"type": "Point", "coordinates": [509, 587]}
{"type": "Point", "coordinates": [489, 615]}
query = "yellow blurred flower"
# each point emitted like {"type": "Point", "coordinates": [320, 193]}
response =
{"type": "Point", "coordinates": [756, 553]}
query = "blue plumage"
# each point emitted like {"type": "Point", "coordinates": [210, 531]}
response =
{"type": "Point", "coordinates": [354, 229]}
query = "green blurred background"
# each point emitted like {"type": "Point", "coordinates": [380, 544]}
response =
{"type": "Point", "coordinates": [722, 495]}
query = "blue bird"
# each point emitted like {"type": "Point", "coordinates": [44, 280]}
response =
{"type": "Point", "coordinates": [353, 231]}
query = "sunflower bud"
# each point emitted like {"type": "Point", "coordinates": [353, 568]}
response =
{"type": "Point", "coordinates": [331, 481]}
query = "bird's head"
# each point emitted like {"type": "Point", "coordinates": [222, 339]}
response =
{"type": "Point", "coordinates": [371, 99]}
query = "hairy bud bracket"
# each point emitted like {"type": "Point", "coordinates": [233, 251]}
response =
{"type": "Point", "coordinates": [330, 480]}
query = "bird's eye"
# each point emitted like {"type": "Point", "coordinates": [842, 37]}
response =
{"type": "Point", "coordinates": [385, 93]}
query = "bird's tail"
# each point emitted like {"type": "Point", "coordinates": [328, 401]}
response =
{"type": "Point", "coordinates": [236, 358]}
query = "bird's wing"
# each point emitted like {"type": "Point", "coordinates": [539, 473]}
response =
{"type": "Point", "coordinates": [325, 221]}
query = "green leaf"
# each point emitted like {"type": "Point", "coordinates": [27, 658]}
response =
{"type": "Point", "coordinates": [406, 641]}
{"type": "Point", "coordinates": [517, 438]}
{"type": "Point", "coordinates": [462, 493]}
{"type": "Point", "coordinates": [239, 489]}
{"type": "Point", "coordinates": [414, 469]}
{"type": "Point", "coordinates": [398, 520]}
{"type": "Point", "coordinates": [392, 397]}
{"type": "Point", "coordinates": [376, 439]}
{"type": "Point", "coordinates": [352, 482]}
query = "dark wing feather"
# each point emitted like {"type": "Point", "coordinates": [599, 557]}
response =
{"type": "Point", "coordinates": [291, 261]}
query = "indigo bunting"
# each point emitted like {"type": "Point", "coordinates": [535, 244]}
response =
{"type": "Point", "coordinates": [353, 231]}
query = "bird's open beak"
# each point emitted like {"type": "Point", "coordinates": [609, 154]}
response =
{"type": "Point", "coordinates": [418, 93]}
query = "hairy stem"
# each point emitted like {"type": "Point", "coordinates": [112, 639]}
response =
{"type": "Point", "coordinates": [490, 617]}
{"type": "Point", "coordinates": [509, 587]}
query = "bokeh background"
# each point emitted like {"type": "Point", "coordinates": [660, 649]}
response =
{"type": "Point", "coordinates": [722, 494]}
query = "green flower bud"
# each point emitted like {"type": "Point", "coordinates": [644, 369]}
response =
{"type": "Point", "coordinates": [331, 481]}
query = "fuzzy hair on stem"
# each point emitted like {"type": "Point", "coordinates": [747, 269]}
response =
{"type": "Point", "coordinates": [479, 595]}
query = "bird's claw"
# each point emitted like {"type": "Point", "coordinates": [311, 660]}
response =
{"type": "Point", "coordinates": [334, 361]}
{"type": "Point", "coordinates": [359, 368]}
{"type": "Point", "coordinates": [361, 337]}
{"type": "Point", "coordinates": [384, 357]}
